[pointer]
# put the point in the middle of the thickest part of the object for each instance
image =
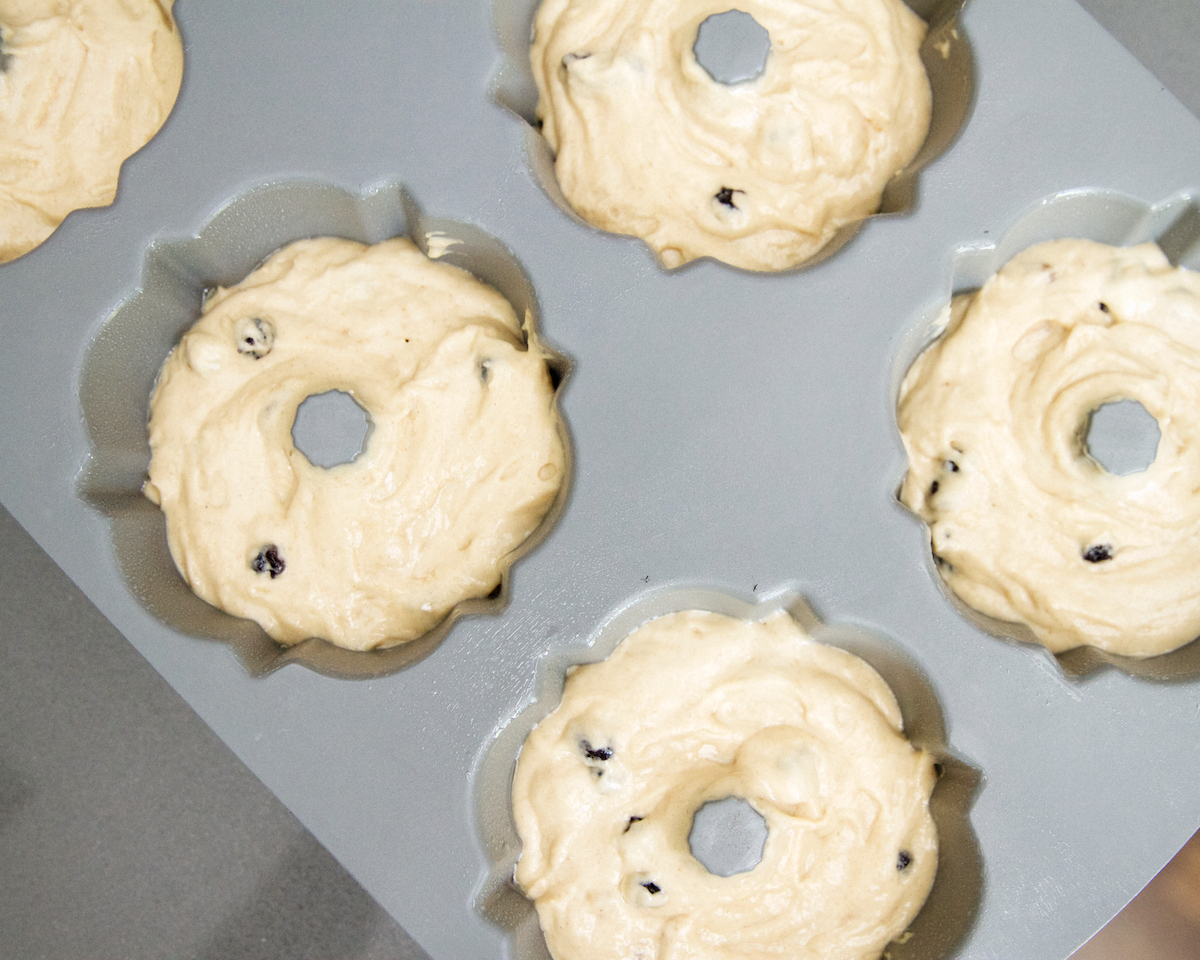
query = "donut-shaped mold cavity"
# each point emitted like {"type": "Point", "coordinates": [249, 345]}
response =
{"type": "Point", "coordinates": [123, 360]}
{"type": "Point", "coordinates": [727, 49]}
{"type": "Point", "coordinates": [1109, 429]}
{"type": "Point", "coordinates": [953, 901]}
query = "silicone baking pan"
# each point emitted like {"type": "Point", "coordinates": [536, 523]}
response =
{"type": "Point", "coordinates": [731, 433]}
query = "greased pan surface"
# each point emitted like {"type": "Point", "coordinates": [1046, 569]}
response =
{"type": "Point", "coordinates": [728, 430]}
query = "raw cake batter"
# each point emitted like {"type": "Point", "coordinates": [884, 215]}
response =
{"type": "Point", "coordinates": [464, 459]}
{"type": "Point", "coordinates": [760, 174]}
{"type": "Point", "coordinates": [83, 85]}
{"type": "Point", "coordinates": [695, 707]}
{"type": "Point", "coordinates": [1024, 524]}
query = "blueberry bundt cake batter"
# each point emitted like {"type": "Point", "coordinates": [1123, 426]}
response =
{"type": "Point", "coordinates": [1025, 525]}
{"type": "Point", "coordinates": [464, 459]}
{"type": "Point", "coordinates": [760, 174]}
{"type": "Point", "coordinates": [83, 85]}
{"type": "Point", "coordinates": [695, 707]}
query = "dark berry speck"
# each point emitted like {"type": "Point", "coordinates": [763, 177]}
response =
{"type": "Point", "coordinates": [652, 886]}
{"type": "Point", "coordinates": [933, 488]}
{"type": "Point", "coordinates": [269, 561]}
{"type": "Point", "coordinates": [1098, 553]}
{"type": "Point", "coordinates": [725, 196]}
{"type": "Point", "coordinates": [595, 753]}
{"type": "Point", "coordinates": [904, 860]}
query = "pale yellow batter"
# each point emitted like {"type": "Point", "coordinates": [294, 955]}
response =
{"type": "Point", "coordinates": [84, 84]}
{"type": "Point", "coordinates": [760, 174]}
{"type": "Point", "coordinates": [695, 707]}
{"type": "Point", "coordinates": [465, 457]}
{"type": "Point", "coordinates": [1026, 526]}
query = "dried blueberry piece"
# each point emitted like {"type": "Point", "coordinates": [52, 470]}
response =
{"type": "Point", "coordinates": [724, 196]}
{"type": "Point", "coordinates": [269, 561]}
{"type": "Point", "coordinates": [904, 861]}
{"type": "Point", "coordinates": [1104, 306]}
{"type": "Point", "coordinates": [595, 753]}
{"type": "Point", "coordinates": [951, 466]}
{"type": "Point", "coordinates": [255, 337]}
{"type": "Point", "coordinates": [632, 821]}
{"type": "Point", "coordinates": [1098, 553]}
{"type": "Point", "coordinates": [652, 887]}
{"type": "Point", "coordinates": [933, 488]}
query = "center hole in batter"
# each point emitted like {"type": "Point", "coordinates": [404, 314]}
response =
{"type": "Point", "coordinates": [331, 428]}
{"type": "Point", "coordinates": [728, 836]}
{"type": "Point", "coordinates": [1122, 437]}
{"type": "Point", "coordinates": [732, 47]}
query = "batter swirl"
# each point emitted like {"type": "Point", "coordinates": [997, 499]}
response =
{"type": "Point", "coordinates": [1025, 525]}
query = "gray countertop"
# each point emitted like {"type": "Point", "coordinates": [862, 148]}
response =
{"type": "Point", "coordinates": [127, 829]}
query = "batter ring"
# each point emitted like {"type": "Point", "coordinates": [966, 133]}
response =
{"type": "Point", "coordinates": [1025, 525]}
{"type": "Point", "coordinates": [84, 84]}
{"type": "Point", "coordinates": [760, 174]}
{"type": "Point", "coordinates": [465, 457]}
{"type": "Point", "coordinates": [695, 707]}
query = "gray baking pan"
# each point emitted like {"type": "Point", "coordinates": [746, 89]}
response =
{"type": "Point", "coordinates": [729, 430]}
